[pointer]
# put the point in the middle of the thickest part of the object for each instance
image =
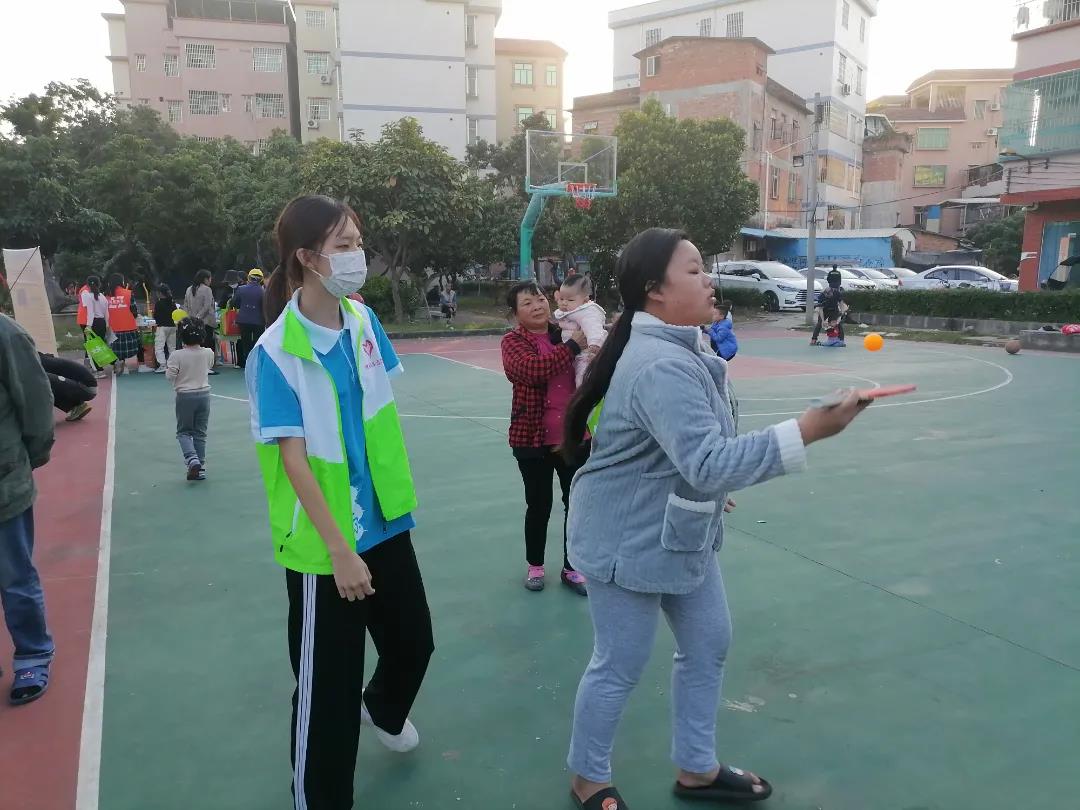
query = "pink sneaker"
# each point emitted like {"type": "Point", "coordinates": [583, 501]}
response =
{"type": "Point", "coordinates": [574, 581]}
{"type": "Point", "coordinates": [534, 580]}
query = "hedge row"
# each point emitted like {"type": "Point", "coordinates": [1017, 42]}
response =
{"type": "Point", "coordinates": [1051, 307]}
{"type": "Point", "coordinates": [741, 298]}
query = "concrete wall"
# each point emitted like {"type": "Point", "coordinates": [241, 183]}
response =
{"type": "Point", "coordinates": [538, 96]}
{"type": "Point", "coordinates": [1035, 224]}
{"type": "Point", "coordinates": [310, 85]}
{"type": "Point", "coordinates": [868, 252]}
{"type": "Point", "coordinates": [1048, 50]}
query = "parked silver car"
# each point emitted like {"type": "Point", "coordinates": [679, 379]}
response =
{"type": "Point", "coordinates": [962, 276]}
{"type": "Point", "coordinates": [883, 281]}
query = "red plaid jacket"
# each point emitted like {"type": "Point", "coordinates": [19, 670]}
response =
{"type": "Point", "coordinates": [529, 372]}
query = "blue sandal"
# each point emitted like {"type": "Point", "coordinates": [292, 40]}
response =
{"type": "Point", "coordinates": [30, 684]}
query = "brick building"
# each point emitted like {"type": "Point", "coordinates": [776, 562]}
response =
{"type": "Point", "coordinates": [703, 78]}
{"type": "Point", "coordinates": [885, 157]}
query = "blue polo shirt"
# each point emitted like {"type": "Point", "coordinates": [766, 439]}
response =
{"type": "Point", "coordinates": [280, 416]}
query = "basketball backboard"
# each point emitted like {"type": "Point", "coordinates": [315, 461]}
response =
{"type": "Point", "coordinates": [554, 159]}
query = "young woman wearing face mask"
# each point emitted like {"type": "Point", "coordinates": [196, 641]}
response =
{"type": "Point", "coordinates": [340, 497]}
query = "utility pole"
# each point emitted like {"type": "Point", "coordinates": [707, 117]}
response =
{"type": "Point", "coordinates": [811, 240]}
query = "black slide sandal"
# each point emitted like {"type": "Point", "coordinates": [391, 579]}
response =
{"type": "Point", "coordinates": [606, 799]}
{"type": "Point", "coordinates": [731, 785]}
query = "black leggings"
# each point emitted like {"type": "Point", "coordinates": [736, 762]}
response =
{"type": "Point", "coordinates": [249, 336]}
{"type": "Point", "coordinates": [820, 323]}
{"type": "Point", "coordinates": [536, 473]}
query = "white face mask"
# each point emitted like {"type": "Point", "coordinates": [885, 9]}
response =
{"type": "Point", "coordinates": [348, 272]}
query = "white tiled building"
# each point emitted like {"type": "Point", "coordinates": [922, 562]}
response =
{"type": "Point", "coordinates": [822, 46]}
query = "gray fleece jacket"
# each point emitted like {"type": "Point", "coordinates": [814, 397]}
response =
{"type": "Point", "coordinates": [646, 510]}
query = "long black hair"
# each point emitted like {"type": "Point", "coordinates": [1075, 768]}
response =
{"type": "Point", "coordinates": [641, 268]}
{"type": "Point", "coordinates": [93, 284]}
{"type": "Point", "coordinates": [116, 281]}
{"type": "Point", "coordinates": [202, 277]}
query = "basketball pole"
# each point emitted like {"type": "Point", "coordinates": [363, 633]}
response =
{"type": "Point", "coordinates": [528, 228]}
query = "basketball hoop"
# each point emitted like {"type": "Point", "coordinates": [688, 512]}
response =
{"type": "Point", "coordinates": [583, 194]}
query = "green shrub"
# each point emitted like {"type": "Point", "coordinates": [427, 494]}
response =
{"type": "Point", "coordinates": [741, 298]}
{"type": "Point", "coordinates": [379, 296]}
{"type": "Point", "coordinates": [1051, 307]}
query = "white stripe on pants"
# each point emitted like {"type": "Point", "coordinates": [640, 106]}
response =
{"type": "Point", "coordinates": [303, 711]}
{"type": "Point", "coordinates": [624, 626]}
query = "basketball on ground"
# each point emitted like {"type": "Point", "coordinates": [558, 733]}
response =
{"type": "Point", "coordinates": [1013, 346]}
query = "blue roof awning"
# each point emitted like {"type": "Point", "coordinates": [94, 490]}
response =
{"type": "Point", "coordinates": [758, 232]}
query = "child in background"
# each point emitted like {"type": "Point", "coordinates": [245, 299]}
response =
{"type": "Point", "coordinates": [834, 334]}
{"type": "Point", "coordinates": [188, 370]}
{"type": "Point", "coordinates": [721, 332]}
{"type": "Point", "coordinates": [578, 312]}
{"type": "Point", "coordinates": [165, 329]}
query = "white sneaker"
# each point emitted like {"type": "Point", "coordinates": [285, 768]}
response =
{"type": "Point", "coordinates": [404, 742]}
{"type": "Point", "coordinates": [145, 370]}
{"type": "Point", "coordinates": [159, 370]}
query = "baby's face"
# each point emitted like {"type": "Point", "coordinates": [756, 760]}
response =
{"type": "Point", "coordinates": [569, 300]}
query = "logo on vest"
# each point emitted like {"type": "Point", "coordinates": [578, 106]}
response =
{"type": "Point", "coordinates": [369, 350]}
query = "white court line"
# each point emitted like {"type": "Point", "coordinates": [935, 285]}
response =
{"type": "Point", "coordinates": [88, 786]}
{"type": "Point", "coordinates": [458, 362]}
{"type": "Point", "coordinates": [873, 384]}
{"type": "Point", "coordinates": [409, 415]}
{"type": "Point", "coordinates": [877, 406]}
{"type": "Point", "coordinates": [234, 399]}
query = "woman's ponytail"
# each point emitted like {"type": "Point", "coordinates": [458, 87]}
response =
{"type": "Point", "coordinates": [276, 294]}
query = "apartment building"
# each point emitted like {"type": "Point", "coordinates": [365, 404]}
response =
{"type": "Point", "coordinates": [318, 73]}
{"type": "Point", "coordinates": [432, 60]}
{"type": "Point", "coordinates": [211, 68]}
{"type": "Point", "coordinates": [1040, 138]}
{"type": "Point", "coordinates": [953, 118]}
{"type": "Point", "coordinates": [703, 78]}
{"type": "Point", "coordinates": [819, 46]}
{"type": "Point", "coordinates": [529, 79]}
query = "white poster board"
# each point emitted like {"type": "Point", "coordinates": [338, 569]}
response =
{"type": "Point", "coordinates": [26, 281]}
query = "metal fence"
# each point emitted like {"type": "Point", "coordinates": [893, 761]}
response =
{"type": "Point", "coordinates": [1042, 115]}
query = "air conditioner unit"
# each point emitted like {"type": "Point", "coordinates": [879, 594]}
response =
{"type": "Point", "coordinates": [995, 107]}
{"type": "Point", "coordinates": [845, 89]}
{"type": "Point", "coordinates": [326, 78]}
{"type": "Point", "coordinates": [992, 132]}
{"type": "Point", "coordinates": [312, 124]}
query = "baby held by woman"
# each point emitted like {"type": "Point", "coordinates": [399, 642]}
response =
{"type": "Point", "coordinates": [577, 311]}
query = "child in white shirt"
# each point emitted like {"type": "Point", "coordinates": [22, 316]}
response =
{"type": "Point", "coordinates": [188, 369]}
{"type": "Point", "coordinates": [578, 312]}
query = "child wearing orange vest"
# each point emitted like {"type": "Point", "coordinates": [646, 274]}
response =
{"type": "Point", "coordinates": [122, 312]}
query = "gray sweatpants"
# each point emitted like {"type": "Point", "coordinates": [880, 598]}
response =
{"type": "Point", "coordinates": [624, 627]}
{"type": "Point", "coordinates": [192, 417]}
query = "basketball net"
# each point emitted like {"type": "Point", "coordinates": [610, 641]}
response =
{"type": "Point", "coordinates": [582, 193]}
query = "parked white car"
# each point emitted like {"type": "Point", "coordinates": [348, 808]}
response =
{"type": "Point", "coordinates": [782, 287]}
{"type": "Point", "coordinates": [848, 280]}
{"type": "Point", "coordinates": [880, 279]}
{"type": "Point", "coordinates": [962, 276]}
{"type": "Point", "coordinates": [901, 274]}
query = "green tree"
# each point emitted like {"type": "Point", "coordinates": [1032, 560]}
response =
{"type": "Point", "coordinates": [1001, 242]}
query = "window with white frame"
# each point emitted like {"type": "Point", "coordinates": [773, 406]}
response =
{"type": "Point", "coordinates": [144, 102]}
{"type": "Point", "coordinates": [862, 29]}
{"type": "Point", "coordinates": [859, 80]}
{"type": "Point", "coordinates": [226, 99]}
{"type": "Point", "coordinates": [172, 64]}
{"type": "Point", "coordinates": [551, 117]}
{"type": "Point", "coordinates": [247, 104]}
{"type": "Point", "coordinates": [318, 109]}
{"type": "Point", "coordinates": [734, 25]}
{"type": "Point", "coordinates": [980, 109]}
{"type": "Point", "coordinates": [472, 84]}
{"type": "Point", "coordinates": [856, 182]}
{"type": "Point", "coordinates": [267, 60]}
{"type": "Point", "coordinates": [652, 65]}
{"type": "Point", "coordinates": [652, 37]}
{"type": "Point", "coordinates": [140, 63]}
{"type": "Point", "coordinates": [318, 63]}
{"type": "Point", "coordinates": [205, 139]}
{"type": "Point", "coordinates": [841, 73]}
{"type": "Point", "coordinates": [523, 73]}
{"type": "Point", "coordinates": [523, 113]}
{"type": "Point", "coordinates": [845, 15]}
{"type": "Point", "coordinates": [792, 186]}
{"type": "Point", "coordinates": [258, 146]}
{"type": "Point", "coordinates": [551, 76]}
{"type": "Point", "coordinates": [176, 112]}
{"type": "Point", "coordinates": [590, 127]}
{"type": "Point", "coordinates": [474, 131]}
{"type": "Point", "coordinates": [269, 105]}
{"type": "Point", "coordinates": [203, 102]}
{"type": "Point", "coordinates": [854, 128]}
{"type": "Point", "coordinates": [774, 183]}
{"type": "Point", "coordinates": [470, 30]}
{"type": "Point", "coordinates": [704, 27]}
{"type": "Point", "coordinates": [200, 55]}
{"type": "Point", "coordinates": [315, 18]}
{"type": "Point", "coordinates": [930, 176]}
{"type": "Point", "coordinates": [932, 138]}
{"type": "Point", "coordinates": [794, 130]}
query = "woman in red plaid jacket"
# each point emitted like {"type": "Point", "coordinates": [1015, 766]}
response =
{"type": "Point", "coordinates": [541, 367]}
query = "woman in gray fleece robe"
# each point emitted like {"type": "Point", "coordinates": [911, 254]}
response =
{"type": "Point", "coordinates": [646, 515]}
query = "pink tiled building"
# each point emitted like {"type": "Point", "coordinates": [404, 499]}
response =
{"type": "Point", "coordinates": [212, 68]}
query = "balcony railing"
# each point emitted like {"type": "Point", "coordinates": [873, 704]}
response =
{"type": "Point", "coordinates": [1032, 14]}
{"type": "Point", "coordinates": [1042, 115]}
{"type": "Point", "coordinates": [983, 175]}
{"type": "Point", "coordinates": [256, 11]}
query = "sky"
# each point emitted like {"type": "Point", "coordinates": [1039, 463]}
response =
{"type": "Point", "coordinates": [59, 40]}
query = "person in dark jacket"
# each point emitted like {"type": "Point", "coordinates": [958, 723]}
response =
{"type": "Point", "coordinates": [26, 439]}
{"type": "Point", "coordinates": [248, 299]}
{"type": "Point", "coordinates": [73, 385]}
{"type": "Point", "coordinates": [164, 327]}
{"type": "Point", "coordinates": [831, 308]}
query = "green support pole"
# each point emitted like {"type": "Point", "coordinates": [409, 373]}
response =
{"type": "Point", "coordinates": [528, 227]}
